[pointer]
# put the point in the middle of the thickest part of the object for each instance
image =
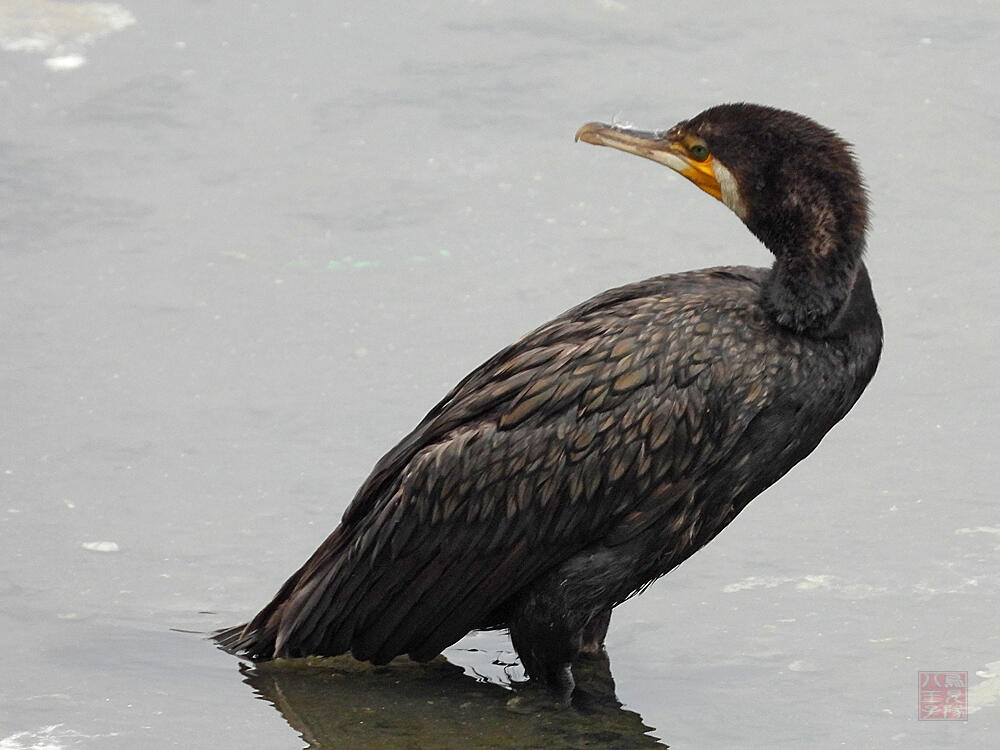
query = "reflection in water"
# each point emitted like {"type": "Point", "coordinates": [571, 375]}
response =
{"type": "Point", "coordinates": [337, 702]}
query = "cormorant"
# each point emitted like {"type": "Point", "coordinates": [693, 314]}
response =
{"type": "Point", "coordinates": [607, 446]}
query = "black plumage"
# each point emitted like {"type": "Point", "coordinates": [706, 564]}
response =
{"type": "Point", "coordinates": [607, 446]}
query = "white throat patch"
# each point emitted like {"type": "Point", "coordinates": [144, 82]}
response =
{"type": "Point", "coordinates": [730, 189]}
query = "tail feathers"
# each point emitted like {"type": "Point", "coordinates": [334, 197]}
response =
{"type": "Point", "coordinates": [241, 641]}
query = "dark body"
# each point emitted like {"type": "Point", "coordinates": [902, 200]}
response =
{"type": "Point", "coordinates": [573, 468]}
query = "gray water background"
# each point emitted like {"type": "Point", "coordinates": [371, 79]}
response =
{"type": "Point", "coordinates": [244, 247]}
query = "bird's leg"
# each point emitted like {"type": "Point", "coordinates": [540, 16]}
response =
{"type": "Point", "coordinates": [566, 613]}
{"type": "Point", "coordinates": [547, 652]}
{"type": "Point", "coordinates": [594, 634]}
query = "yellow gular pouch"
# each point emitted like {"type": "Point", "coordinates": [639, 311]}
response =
{"type": "Point", "coordinates": [701, 173]}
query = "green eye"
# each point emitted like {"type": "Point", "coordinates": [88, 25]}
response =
{"type": "Point", "coordinates": [699, 151]}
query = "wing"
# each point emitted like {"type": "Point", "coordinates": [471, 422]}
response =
{"type": "Point", "coordinates": [597, 421]}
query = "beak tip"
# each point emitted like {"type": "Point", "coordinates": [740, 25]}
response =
{"type": "Point", "coordinates": [589, 133]}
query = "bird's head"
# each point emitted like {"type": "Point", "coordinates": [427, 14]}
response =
{"type": "Point", "coordinates": [792, 181]}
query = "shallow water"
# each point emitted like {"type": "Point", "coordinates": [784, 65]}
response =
{"type": "Point", "coordinates": [245, 248]}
